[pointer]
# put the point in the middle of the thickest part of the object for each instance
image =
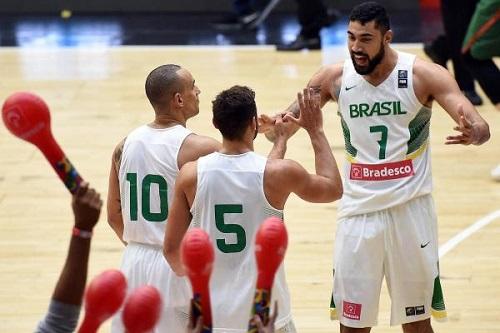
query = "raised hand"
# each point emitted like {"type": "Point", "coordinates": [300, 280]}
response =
{"type": "Point", "coordinates": [468, 134]}
{"type": "Point", "coordinates": [86, 205]}
{"type": "Point", "coordinates": [269, 328]}
{"type": "Point", "coordinates": [265, 122]}
{"type": "Point", "coordinates": [310, 117]}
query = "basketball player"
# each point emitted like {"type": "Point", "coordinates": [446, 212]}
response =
{"type": "Point", "coordinates": [229, 193]}
{"type": "Point", "coordinates": [387, 221]}
{"type": "Point", "coordinates": [143, 172]}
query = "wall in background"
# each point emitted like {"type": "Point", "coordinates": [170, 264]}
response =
{"type": "Point", "coordinates": [191, 6]}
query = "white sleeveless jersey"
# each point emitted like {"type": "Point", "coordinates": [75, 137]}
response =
{"type": "Point", "coordinates": [147, 176]}
{"type": "Point", "coordinates": [230, 205]}
{"type": "Point", "coordinates": [386, 132]}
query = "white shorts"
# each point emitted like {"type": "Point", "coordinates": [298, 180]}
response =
{"type": "Point", "coordinates": [145, 265]}
{"type": "Point", "coordinates": [399, 243]}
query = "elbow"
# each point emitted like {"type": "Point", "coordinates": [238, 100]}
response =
{"type": "Point", "coordinates": [335, 193]}
{"type": "Point", "coordinates": [339, 191]}
{"type": "Point", "coordinates": [167, 253]}
{"type": "Point", "coordinates": [487, 133]}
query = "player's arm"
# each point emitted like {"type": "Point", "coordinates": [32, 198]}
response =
{"type": "Point", "coordinates": [326, 85]}
{"type": "Point", "coordinates": [282, 132]}
{"type": "Point", "coordinates": [114, 208]}
{"type": "Point", "coordinates": [438, 84]}
{"type": "Point", "coordinates": [179, 216]}
{"type": "Point", "coordinates": [290, 176]}
{"type": "Point", "coordinates": [64, 307]}
{"type": "Point", "coordinates": [196, 146]}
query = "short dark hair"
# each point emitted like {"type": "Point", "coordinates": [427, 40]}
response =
{"type": "Point", "coordinates": [233, 110]}
{"type": "Point", "coordinates": [162, 83]}
{"type": "Point", "coordinates": [371, 11]}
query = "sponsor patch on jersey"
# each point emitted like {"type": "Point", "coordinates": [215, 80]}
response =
{"type": "Point", "coordinates": [415, 310]}
{"type": "Point", "coordinates": [383, 171]}
{"type": "Point", "coordinates": [351, 310]}
{"type": "Point", "coordinates": [402, 78]}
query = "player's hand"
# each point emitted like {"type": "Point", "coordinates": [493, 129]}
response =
{"type": "Point", "coordinates": [310, 116]}
{"type": "Point", "coordinates": [266, 123]}
{"type": "Point", "coordinates": [192, 328]}
{"type": "Point", "coordinates": [86, 205]}
{"type": "Point", "coordinates": [283, 130]}
{"type": "Point", "coordinates": [468, 133]}
{"type": "Point", "coordinates": [269, 328]}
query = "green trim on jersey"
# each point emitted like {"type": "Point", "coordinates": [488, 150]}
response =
{"type": "Point", "coordinates": [333, 307]}
{"type": "Point", "coordinates": [419, 129]}
{"type": "Point", "coordinates": [351, 150]}
{"type": "Point", "coordinates": [437, 296]}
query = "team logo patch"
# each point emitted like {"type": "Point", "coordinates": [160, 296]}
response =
{"type": "Point", "coordinates": [415, 310]}
{"type": "Point", "coordinates": [383, 171]}
{"type": "Point", "coordinates": [351, 310]}
{"type": "Point", "coordinates": [402, 78]}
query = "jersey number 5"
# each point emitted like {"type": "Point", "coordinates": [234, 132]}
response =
{"type": "Point", "coordinates": [230, 228]}
{"type": "Point", "coordinates": [146, 186]}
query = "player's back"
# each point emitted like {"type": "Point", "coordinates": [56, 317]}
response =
{"type": "Point", "coordinates": [147, 176]}
{"type": "Point", "coordinates": [230, 205]}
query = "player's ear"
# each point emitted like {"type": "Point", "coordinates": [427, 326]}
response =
{"type": "Point", "coordinates": [178, 99]}
{"type": "Point", "coordinates": [388, 36]}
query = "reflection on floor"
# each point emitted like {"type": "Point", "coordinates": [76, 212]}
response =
{"type": "Point", "coordinates": [177, 29]}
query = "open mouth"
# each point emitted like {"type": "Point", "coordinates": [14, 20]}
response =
{"type": "Point", "coordinates": [361, 60]}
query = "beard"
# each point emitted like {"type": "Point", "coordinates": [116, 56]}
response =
{"type": "Point", "coordinates": [372, 63]}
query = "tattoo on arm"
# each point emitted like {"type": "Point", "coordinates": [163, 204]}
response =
{"type": "Point", "coordinates": [117, 155]}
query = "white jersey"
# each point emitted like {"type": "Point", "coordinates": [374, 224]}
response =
{"type": "Point", "coordinates": [230, 205]}
{"type": "Point", "coordinates": [147, 176]}
{"type": "Point", "coordinates": [386, 132]}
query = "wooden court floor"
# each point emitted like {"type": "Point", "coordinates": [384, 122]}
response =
{"type": "Point", "coordinates": [97, 96]}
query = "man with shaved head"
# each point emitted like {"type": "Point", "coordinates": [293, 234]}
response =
{"type": "Point", "coordinates": [144, 168]}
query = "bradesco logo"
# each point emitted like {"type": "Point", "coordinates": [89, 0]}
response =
{"type": "Point", "coordinates": [384, 171]}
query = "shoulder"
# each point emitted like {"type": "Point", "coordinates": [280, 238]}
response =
{"type": "Point", "coordinates": [430, 79]}
{"type": "Point", "coordinates": [201, 142]}
{"type": "Point", "coordinates": [428, 72]}
{"type": "Point", "coordinates": [188, 174]}
{"type": "Point", "coordinates": [195, 146]}
{"type": "Point", "coordinates": [330, 72]}
{"type": "Point", "coordinates": [118, 151]}
{"type": "Point", "coordinates": [329, 78]}
{"type": "Point", "coordinates": [283, 169]}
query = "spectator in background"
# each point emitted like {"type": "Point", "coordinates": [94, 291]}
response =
{"type": "Point", "coordinates": [447, 46]}
{"type": "Point", "coordinates": [312, 15]}
{"type": "Point", "coordinates": [245, 12]}
{"type": "Point", "coordinates": [481, 44]}
{"type": "Point", "coordinates": [64, 308]}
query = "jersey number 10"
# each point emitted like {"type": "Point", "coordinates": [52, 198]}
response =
{"type": "Point", "coordinates": [145, 186]}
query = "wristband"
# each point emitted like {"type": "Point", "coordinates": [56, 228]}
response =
{"type": "Point", "coordinates": [82, 233]}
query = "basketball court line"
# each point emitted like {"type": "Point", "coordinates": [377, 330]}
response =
{"type": "Point", "coordinates": [464, 234]}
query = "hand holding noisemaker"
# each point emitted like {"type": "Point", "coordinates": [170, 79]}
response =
{"type": "Point", "coordinates": [270, 247]}
{"type": "Point", "coordinates": [104, 296]}
{"type": "Point", "coordinates": [27, 116]}
{"type": "Point", "coordinates": [197, 255]}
